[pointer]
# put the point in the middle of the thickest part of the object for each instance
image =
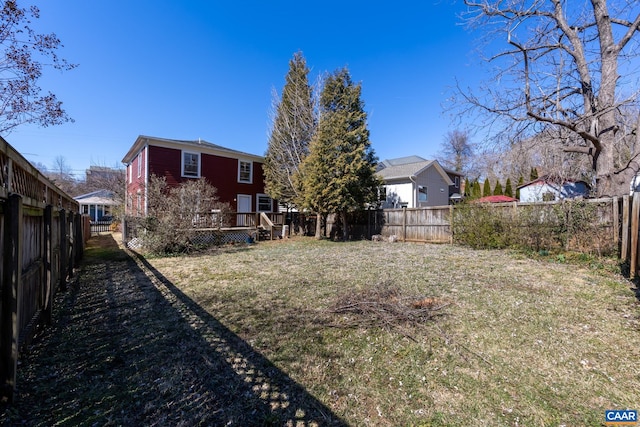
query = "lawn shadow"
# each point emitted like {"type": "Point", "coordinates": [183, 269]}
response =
{"type": "Point", "coordinates": [274, 397]}
{"type": "Point", "coordinates": [128, 347]}
{"type": "Point", "coordinates": [625, 271]}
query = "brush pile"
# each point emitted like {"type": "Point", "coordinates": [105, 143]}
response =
{"type": "Point", "coordinates": [385, 305]}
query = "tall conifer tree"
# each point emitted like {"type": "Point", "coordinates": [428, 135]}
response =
{"type": "Point", "coordinates": [520, 182]}
{"type": "Point", "coordinates": [508, 190]}
{"type": "Point", "coordinates": [486, 188]}
{"type": "Point", "coordinates": [339, 172]}
{"type": "Point", "coordinates": [476, 192]}
{"type": "Point", "coordinates": [293, 125]}
{"type": "Point", "coordinates": [534, 174]}
{"type": "Point", "coordinates": [497, 190]}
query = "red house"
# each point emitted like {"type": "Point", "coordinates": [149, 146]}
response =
{"type": "Point", "coordinates": [238, 176]}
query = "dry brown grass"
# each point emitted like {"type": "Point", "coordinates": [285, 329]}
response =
{"type": "Point", "coordinates": [520, 342]}
{"type": "Point", "coordinates": [306, 332]}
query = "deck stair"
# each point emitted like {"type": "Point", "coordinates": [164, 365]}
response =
{"type": "Point", "coordinates": [267, 229]}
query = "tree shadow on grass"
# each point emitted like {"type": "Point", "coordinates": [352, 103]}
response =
{"type": "Point", "coordinates": [129, 348]}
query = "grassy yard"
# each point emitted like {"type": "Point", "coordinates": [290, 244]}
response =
{"type": "Point", "coordinates": [502, 340]}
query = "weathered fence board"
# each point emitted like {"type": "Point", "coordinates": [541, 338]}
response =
{"type": "Point", "coordinates": [430, 224]}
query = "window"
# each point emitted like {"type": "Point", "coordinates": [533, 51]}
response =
{"type": "Point", "coordinates": [264, 203]}
{"type": "Point", "coordinates": [190, 164]}
{"type": "Point", "coordinates": [457, 182]}
{"type": "Point", "coordinates": [422, 194]}
{"type": "Point", "coordinates": [245, 172]}
{"type": "Point", "coordinates": [85, 209]}
{"type": "Point", "coordinates": [382, 194]}
{"type": "Point", "coordinates": [130, 169]}
{"type": "Point", "coordinates": [139, 160]}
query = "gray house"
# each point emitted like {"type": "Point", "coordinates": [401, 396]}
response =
{"type": "Point", "coordinates": [416, 182]}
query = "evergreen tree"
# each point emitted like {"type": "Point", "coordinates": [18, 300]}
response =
{"type": "Point", "coordinates": [339, 175]}
{"type": "Point", "coordinates": [476, 192]}
{"type": "Point", "coordinates": [508, 191]}
{"type": "Point", "coordinates": [293, 125]}
{"type": "Point", "coordinates": [486, 189]}
{"type": "Point", "coordinates": [534, 174]}
{"type": "Point", "coordinates": [520, 182]}
{"type": "Point", "coordinates": [497, 190]}
{"type": "Point", "coordinates": [467, 188]}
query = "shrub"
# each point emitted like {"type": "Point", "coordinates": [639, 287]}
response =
{"type": "Point", "coordinates": [176, 213]}
{"type": "Point", "coordinates": [480, 226]}
{"type": "Point", "coordinates": [565, 226]}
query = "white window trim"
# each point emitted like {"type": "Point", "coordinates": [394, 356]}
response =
{"type": "Point", "coordinates": [457, 182]}
{"type": "Point", "coordinates": [250, 181]}
{"type": "Point", "coordinates": [258, 202]}
{"type": "Point", "coordinates": [182, 153]}
{"type": "Point", "coordinates": [139, 164]}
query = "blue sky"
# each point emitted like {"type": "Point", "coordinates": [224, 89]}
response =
{"type": "Point", "coordinates": [206, 69]}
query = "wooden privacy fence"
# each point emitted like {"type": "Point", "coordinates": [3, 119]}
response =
{"type": "Point", "coordinates": [429, 224]}
{"type": "Point", "coordinates": [615, 222]}
{"type": "Point", "coordinates": [42, 238]}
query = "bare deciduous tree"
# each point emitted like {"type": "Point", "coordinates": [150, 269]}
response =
{"type": "Point", "coordinates": [62, 175]}
{"type": "Point", "coordinates": [457, 152]}
{"type": "Point", "coordinates": [566, 66]}
{"type": "Point", "coordinates": [175, 213]}
{"type": "Point", "coordinates": [23, 55]}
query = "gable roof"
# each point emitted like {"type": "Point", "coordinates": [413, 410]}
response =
{"type": "Point", "coordinates": [408, 167]}
{"type": "Point", "coordinates": [552, 179]}
{"type": "Point", "coordinates": [100, 197]}
{"type": "Point", "coordinates": [196, 145]}
{"type": "Point", "coordinates": [401, 161]}
{"type": "Point", "coordinates": [495, 199]}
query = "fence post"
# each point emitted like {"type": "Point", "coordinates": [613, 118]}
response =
{"type": "Point", "coordinates": [123, 225]}
{"type": "Point", "coordinates": [616, 220]}
{"type": "Point", "coordinates": [635, 210]}
{"type": "Point", "coordinates": [404, 223]}
{"type": "Point", "coordinates": [64, 249]}
{"type": "Point", "coordinates": [12, 268]}
{"type": "Point", "coordinates": [48, 259]}
{"type": "Point", "coordinates": [79, 238]}
{"type": "Point", "coordinates": [624, 252]}
{"type": "Point", "coordinates": [73, 245]}
{"type": "Point", "coordinates": [451, 224]}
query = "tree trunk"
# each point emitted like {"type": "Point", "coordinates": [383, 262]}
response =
{"type": "Point", "coordinates": [612, 182]}
{"type": "Point", "coordinates": [318, 226]}
{"type": "Point", "coordinates": [345, 232]}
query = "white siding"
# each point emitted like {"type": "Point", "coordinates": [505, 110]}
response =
{"type": "Point", "coordinates": [397, 194]}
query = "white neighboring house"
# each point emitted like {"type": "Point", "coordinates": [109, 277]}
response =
{"type": "Point", "coordinates": [97, 204]}
{"type": "Point", "coordinates": [548, 189]}
{"type": "Point", "coordinates": [415, 182]}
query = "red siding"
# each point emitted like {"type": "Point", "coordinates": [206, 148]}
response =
{"type": "Point", "coordinates": [221, 172]}
{"type": "Point", "coordinates": [165, 162]}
